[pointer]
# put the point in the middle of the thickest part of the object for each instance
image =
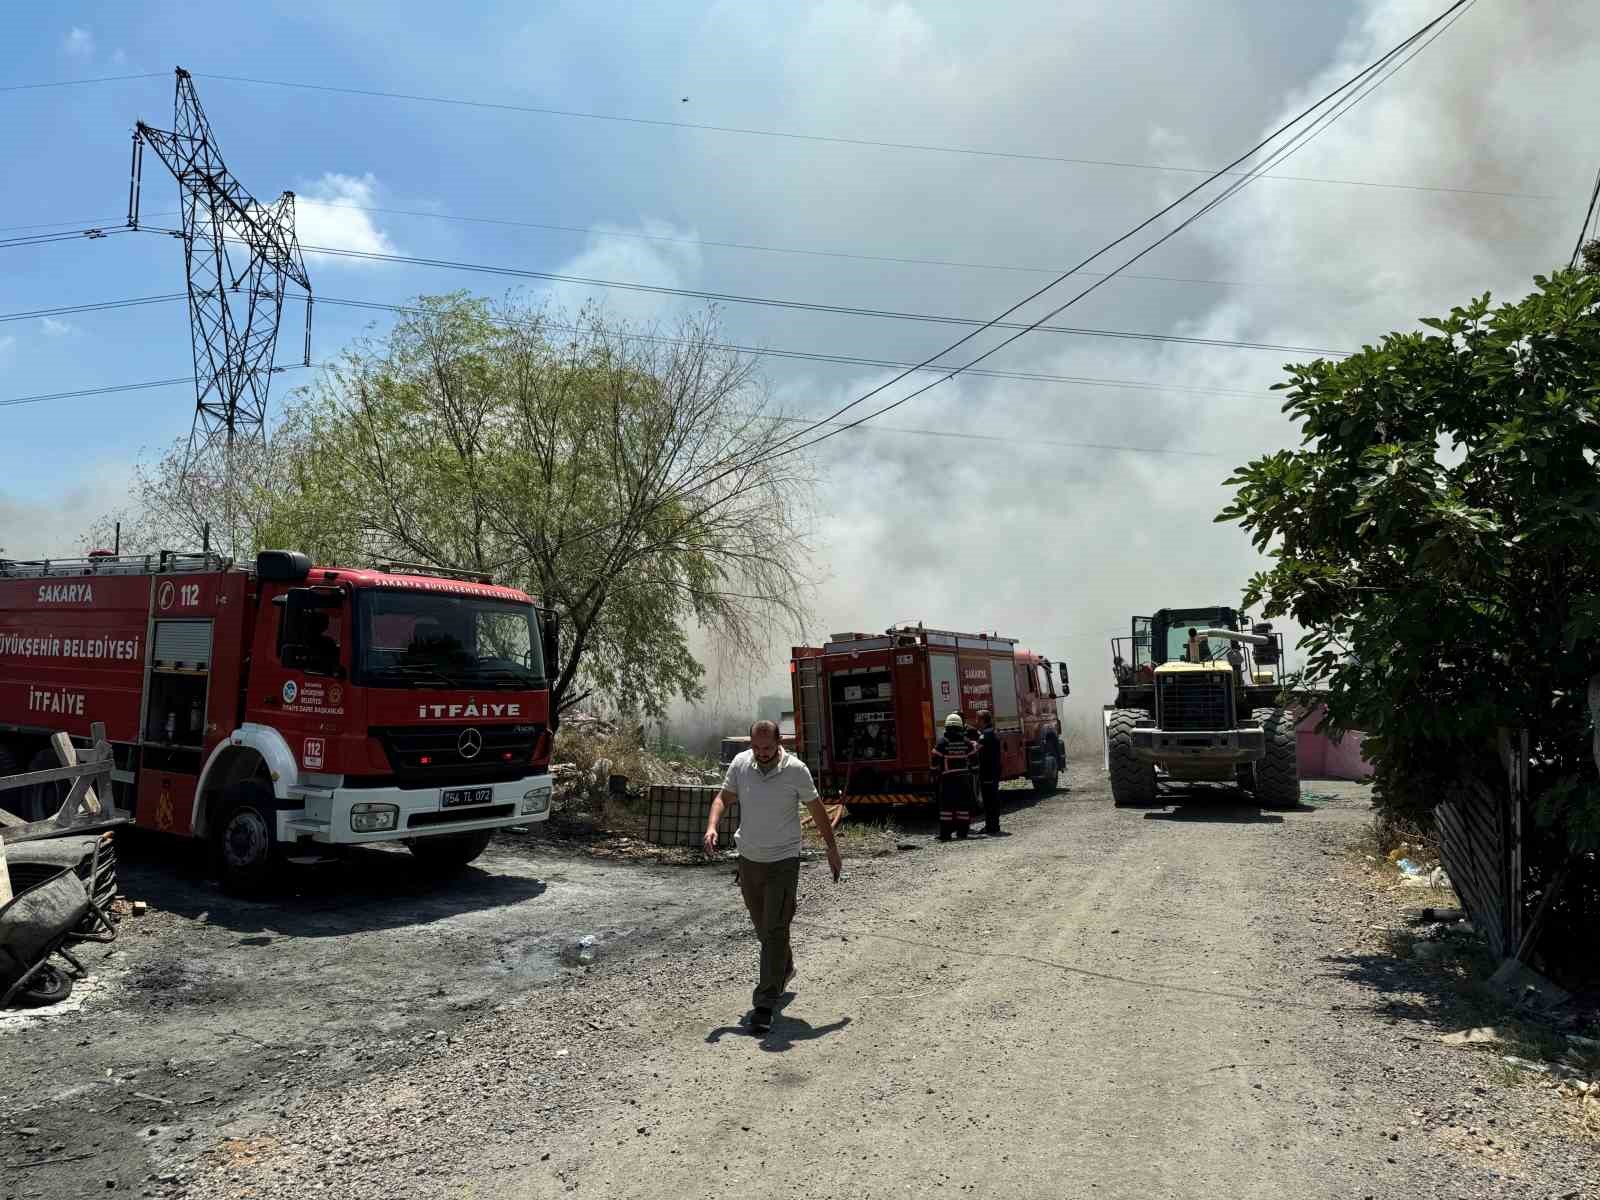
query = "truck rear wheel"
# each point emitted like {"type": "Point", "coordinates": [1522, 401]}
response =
{"type": "Point", "coordinates": [42, 799]}
{"type": "Point", "coordinates": [450, 851]}
{"type": "Point", "coordinates": [1133, 783]}
{"type": "Point", "coordinates": [11, 801]}
{"type": "Point", "coordinates": [244, 839]}
{"type": "Point", "coordinates": [1278, 772]}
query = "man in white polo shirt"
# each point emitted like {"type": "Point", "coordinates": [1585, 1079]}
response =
{"type": "Point", "coordinates": [770, 784]}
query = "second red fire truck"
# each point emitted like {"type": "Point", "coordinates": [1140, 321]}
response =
{"type": "Point", "coordinates": [869, 708]}
{"type": "Point", "coordinates": [284, 709]}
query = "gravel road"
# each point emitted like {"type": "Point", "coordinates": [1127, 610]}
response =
{"type": "Point", "coordinates": [1189, 1001]}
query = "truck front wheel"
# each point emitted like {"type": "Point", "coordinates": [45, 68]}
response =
{"type": "Point", "coordinates": [1133, 783]}
{"type": "Point", "coordinates": [1278, 771]}
{"type": "Point", "coordinates": [450, 851]}
{"type": "Point", "coordinates": [1055, 761]}
{"type": "Point", "coordinates": [244, 839]}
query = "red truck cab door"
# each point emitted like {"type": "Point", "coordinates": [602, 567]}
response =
{"type": "Point", "coordinates": [300, 673]}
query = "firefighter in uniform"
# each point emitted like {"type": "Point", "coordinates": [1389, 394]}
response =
{"type": "Point", "coordinates": [955, 769]}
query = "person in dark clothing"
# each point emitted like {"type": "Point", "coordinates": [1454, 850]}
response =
{"type": "Point", "coordinates": [955, 770]}
{"type": "Point", "coordinates": [321, 651]}
{"type": "Point", "coordinates": [989, 773]}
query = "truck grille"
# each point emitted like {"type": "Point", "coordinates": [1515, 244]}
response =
{"type": "Point", "coordinates": [407, 745]}
{"type": "Point", "coordinates": [1195, 700]}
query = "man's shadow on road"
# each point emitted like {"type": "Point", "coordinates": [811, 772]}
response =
{"type": "Point", "coordinates": [785, 1032]}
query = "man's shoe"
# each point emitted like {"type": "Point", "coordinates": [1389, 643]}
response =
{"type": "Point", "coordinates": [761, 1020]}
{"type": "Point", "coordinates": [995, 832]}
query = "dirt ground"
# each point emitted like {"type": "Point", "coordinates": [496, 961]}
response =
{"type": "Point", "coordinates": [1196, 1000]}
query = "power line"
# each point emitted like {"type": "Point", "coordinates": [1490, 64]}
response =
{"type": "Point", "coordinates": [847, 310]}
{"type": "Point", "coordinates": [1029, 440]}
{"type": "Point", "coordinates": [1589, 220]}
{"type": "Point", "coordinates": [854, 256]}
{"type": "Point", "coordinates": [110, 388]}
{"type": "Point", "coordinates": [66, 310]}
{"type": "Point", "coordinates": [852, 360]}
{"type": "Point", "coordinates": [55, 83]}
{"type": "Point", "coordinates": [837, 140]}
{"type": "Point", "coordinates": [754, 351]}
{"type": "Point", "coordinates": [939, 433]}
{"type": "Point", "coordinates": [589, 231]}
{"type": "Point", "coordinates": [40, 239]}
{"type": "Point", "coordinates": [98, 391]}
{"type": "Point", "coordinates": [1337, 96]}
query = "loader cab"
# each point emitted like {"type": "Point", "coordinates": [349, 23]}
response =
{"type": "Point", "coordinates": [1166, 635]}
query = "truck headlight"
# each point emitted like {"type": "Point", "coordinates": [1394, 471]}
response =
{"type": "Point", "coordinates": [535, 800]}
{"type": "Point", "coordinates": [373, 818]}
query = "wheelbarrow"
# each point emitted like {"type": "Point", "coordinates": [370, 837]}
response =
{"type": "Point", "coordinates": [36, 925]}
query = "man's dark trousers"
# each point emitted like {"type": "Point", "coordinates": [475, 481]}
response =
{"type": "Point", "coordinates": [769, 893]}
{"type": "Point", "coordinates": [989, 778]}
{"type": "Point", "coordinates": [991, 805]}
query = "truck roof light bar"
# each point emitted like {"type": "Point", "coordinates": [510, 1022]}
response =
{"type": "Point", "coordinates": [405, 568]}
{"type": "Point", "coordinates": [167, 562]}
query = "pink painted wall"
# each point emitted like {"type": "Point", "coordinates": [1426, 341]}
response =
{"type": "Point", "coordinates": [1322, 758]}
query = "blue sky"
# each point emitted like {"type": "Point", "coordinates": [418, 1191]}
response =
{"type": "Point", "coordinates": [1498, 104]}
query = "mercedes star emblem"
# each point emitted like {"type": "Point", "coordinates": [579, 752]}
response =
{"type": "Point", "coordinates": [469, 743]}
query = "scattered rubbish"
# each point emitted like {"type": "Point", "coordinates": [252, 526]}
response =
{"type": "Point", "coordinates": [139, 908]}
{"type": "Point", "coordinates": [1438, 879]}
{"type": "Point", "coordinates": [1441, 914]}
{"type": "Point", "coordinates": [1527, 985]}
{"type": "Point", "coordinates": [1407, 867]}
{"type": "Point", "coordinates": [581, 952]}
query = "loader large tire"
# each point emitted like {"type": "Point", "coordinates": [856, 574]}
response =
{"type": "Point", "coordinates": [1133, 783]}
{"type": "Point", "coordinates": [1278, 772]}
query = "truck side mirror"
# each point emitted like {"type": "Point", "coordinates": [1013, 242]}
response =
{"type": "Point", "coordinates": [1066, 686]}
{"type": "Point", "coordinates": [550, 641]}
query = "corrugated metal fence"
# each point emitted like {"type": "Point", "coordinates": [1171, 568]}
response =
{"type": "Point", "coordinates": [1480, 841]}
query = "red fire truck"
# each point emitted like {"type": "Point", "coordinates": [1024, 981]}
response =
{"type": "Point", "coordinates": [869, 708]}
{"type": "Point", "coordinates": [281, 710]}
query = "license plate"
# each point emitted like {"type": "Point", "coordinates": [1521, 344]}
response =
{"type": "Point", "coordinates": [461, 797]}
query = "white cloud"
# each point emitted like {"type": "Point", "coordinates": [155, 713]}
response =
{"type": "Point", "coordinates": [55, 328]}
{"type": "Point", "coordinates": [329, 213]}
{"type": "Point", "coordinates": [8, 348]}
{"type": "Point", "coordinates": [79, 43]}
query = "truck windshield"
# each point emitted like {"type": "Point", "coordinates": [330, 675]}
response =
{"type": "Point", "coordinates": [418, 639]}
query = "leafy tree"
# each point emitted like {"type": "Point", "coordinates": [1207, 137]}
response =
{"type": "Point", "coordinates": [1438, 535]}
{"type": "Point", "coordinates": [622, 477]}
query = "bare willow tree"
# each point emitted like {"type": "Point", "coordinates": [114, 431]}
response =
{"type": "Point", "coordinates": [621, 475]}
{"type": "Point", "coordinates": [185, 498]}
